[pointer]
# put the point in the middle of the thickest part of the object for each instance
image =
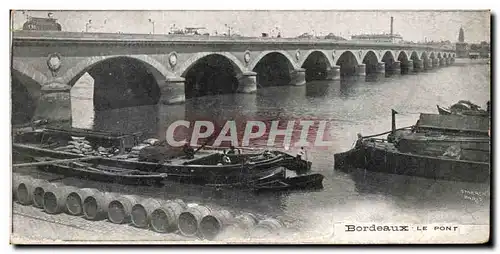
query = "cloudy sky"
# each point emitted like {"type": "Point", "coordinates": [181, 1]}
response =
{"type": "Point", "coordinates": [412, 25]}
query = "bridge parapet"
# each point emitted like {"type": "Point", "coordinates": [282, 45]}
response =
{"type": "Point", "coordinates": [80, 37]}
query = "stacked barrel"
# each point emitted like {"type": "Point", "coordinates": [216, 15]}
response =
{"type": "Point", "coordinates": [162, 216]}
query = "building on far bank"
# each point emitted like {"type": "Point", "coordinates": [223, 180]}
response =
{"type": "Point", "coordinates": [472, 50]}
{"type": "Point", "coordinates": [47, 24]}
{"type": "Point", "coordinates": [394, 38]}
{"type": "Point", "coordinates": [384, 37]}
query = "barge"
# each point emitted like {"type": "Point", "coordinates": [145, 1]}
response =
{"type": "Point", "coordinates": [446, 147]}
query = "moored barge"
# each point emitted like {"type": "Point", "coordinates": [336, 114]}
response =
{"type": "Point", "coordinates": [245, 170]}
{"type": "Point", "coordinates": [437, 147]}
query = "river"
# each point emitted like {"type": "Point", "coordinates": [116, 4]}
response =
{"type": "Point", "coordinates": [351, 106]}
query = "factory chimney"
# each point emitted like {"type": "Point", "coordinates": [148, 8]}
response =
{"type": "Point", "coordinates": [392, 26]}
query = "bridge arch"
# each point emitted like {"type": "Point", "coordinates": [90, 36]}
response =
{"type": "Point", "coordinates": [426, 60]}
{"type": "Point", "coordinates": [370, 59]}
{"type": "Point", "coordinates": [417, 63]}
{"type": "Point", "coordinates": [209, 73]}
{"type": "Point", "coordinates": [152, 64]}
{"type": "Point", "coordinates": [263, 54]}
{"type": "Point", "coordinates": [414, 56]}
{"type": "Point", "coordinates": [348, 63]}
{"type": "Point", "coordinates": [25, 94]}
{"type": "Point", "coordinates": [120, 81]}
{"type": "Point", "coordinates": [188, 64]}
{"type": "Point", "coordinates": [316, 63]}
{"type": "Point", "coordinates": [324, 53]}
{"type": "Point", "coordinates": [273, 68]}
{"type": "Point", "coordinates": [388, 58]}
{"type": "Point", "coordinates": [404, 62]}
{"type": "Point", "coordinates": [29, 71]}
{"type": "Point", "coordinates": [439, 55]}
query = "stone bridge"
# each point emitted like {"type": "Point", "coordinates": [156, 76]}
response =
{"type": "Point", "coordinates": [166, 69]}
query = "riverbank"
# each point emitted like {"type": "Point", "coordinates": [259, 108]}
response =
{"type": "Point", "coordinates": [469, 61]}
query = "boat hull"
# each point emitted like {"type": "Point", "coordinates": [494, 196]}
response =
{"type": "Point", "coordinates": [300, 182]}
{"type": "Point", "coordinates": [101, 176]}
{"type": "Point", "coordinates": [195, 174]}
{"type": "Point", "coordinates": [383, 157]}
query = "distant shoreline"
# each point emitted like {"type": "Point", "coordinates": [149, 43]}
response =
{"type": "Point", "coordinates": [467, 61]}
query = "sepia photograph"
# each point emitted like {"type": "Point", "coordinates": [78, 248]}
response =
{"type": "Point", "coordinates": [250, 126]}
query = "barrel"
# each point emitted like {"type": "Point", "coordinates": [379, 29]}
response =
{"type": "Point", "coordinates": [119, 209]}
{"type": "Point", "coordinates": [165, 218]}
{"type": "Point", "coordinates": [54, 198]}
{"type": "Point", "coordinates": [95, 204]}
{"type": "Point", "coordinates": [245, 221]}
{"type": "Point", "coordinates": [214, 223]}
{"type": "Point", "coordinates": [24, 190]}
{"type": "Point", "coordinates": [191, 218]}
{"type": "Point", "coordinates": [74, 201]}
{"type": "Point", "coordinates": [240, 228]}
{"type": "Point", "coordinates": [266, 228]}
{"type": "Point", "coordinates": [14, 183]}
{"type": "Point", "coordinates": [140, 214]}
{"type": "Point", "coordinates": [39, 191]}
{"type": "Point", "coordinates": [181, 203]}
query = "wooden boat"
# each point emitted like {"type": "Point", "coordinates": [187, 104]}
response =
{"type": "Point", "coordinates": [198, 171]}
{"type": "Point", "coordinates": [94, 171]}
{"type": "Point", "coordinates": [299, 182]}
{"type": "Point", "coordinates": [381, 156]}
{"type": "Point", "coordinates": [204, 168]}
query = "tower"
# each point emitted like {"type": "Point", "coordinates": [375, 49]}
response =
{"type": "Point", "coordinates": [461, 46]}
{"type": "Point", "coordinates": [461, 35]}
{"type": "Point", "coordinates": [392, 26]}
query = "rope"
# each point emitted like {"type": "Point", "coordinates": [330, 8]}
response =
{"type": "Point", "coordinates": [387, 132]}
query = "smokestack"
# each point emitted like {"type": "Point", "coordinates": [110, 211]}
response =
{"type": "Point", "coordinates": [392, 26]}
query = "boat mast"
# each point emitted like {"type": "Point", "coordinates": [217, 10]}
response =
{"type": "Point", "coordinates": [394, 112]}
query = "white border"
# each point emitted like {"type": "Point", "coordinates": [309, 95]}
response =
{"type": "Point", "coordinates": [197, 5]}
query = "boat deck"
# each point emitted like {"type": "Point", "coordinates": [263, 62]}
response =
{"type": "Point", "coordinates": [389, 147]}
{"type": "Point", "coordinates": [181, 160]}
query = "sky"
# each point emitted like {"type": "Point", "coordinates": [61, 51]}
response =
{"type": "Point", "coordinates": [412, 25]}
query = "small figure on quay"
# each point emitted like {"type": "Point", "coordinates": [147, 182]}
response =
{"type": "Point", "coordinates": [232, 150]}
{"type": "Point", "coordinates": [188, 151]}
{"type": "Point", "coordinates": [225, 159]}
{"type": "Point", "coordinates": [301, 153]}
{"type": "Point", "coordinates": [359, 141]}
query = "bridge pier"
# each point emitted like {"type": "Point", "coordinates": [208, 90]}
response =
{"type": "Point", "coordinates": [172, 91]}
{"type": "Point", "coordinates": [333, 73]}
{"type": "Point", "coordinates": [54, 104]}
{"type": "Point", "coordinates": [442, 62]}
{"type": "Point", "coordinates": [247, 82]}
{"type": "Point", "coordinates": [428, 64]}
{"type": "Point", "coordinates": [395, 67]}
{"type": "Point", "coordinates": [409, 66]}
{"type": "Point", "coordinates": [380, 68]}
{"type": "Point", "coordinates": [435, 63]}
{"type": "Point", "coordinates": [360, 70]}
{"type": "Point", "coordinates": [418, 65]}
{"type": "Point", "coordinates": [452, 60]}
{"type": "Point", "coordinates": [298, 77]}
{"type": "Point", "coordinates": [448, 61]}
